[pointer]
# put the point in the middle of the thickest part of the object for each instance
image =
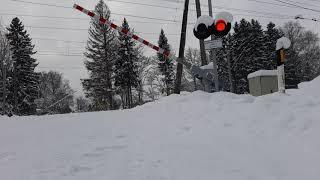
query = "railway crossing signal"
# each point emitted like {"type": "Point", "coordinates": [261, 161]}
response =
{"type": "Point", "coordinates": [207, 26]}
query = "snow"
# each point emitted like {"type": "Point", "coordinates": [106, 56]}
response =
{"type": "Point", "coordinates": [283, 43]}
{"type": "Point", "coordinates": [209, 66]}
{"type": "Point", "coordinates": [204, 19]}
{"type": "Point", "coordinates": [180, 137]}
{"type": "Point", "coordinates": [224, 15]}
{"type": "Point", "coordinates": [263, 73]}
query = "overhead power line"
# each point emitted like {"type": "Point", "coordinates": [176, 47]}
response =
{"type": "Point", "coordinates": [82, 29]}
{"type": "Point", "coordinates": [86, 19]}
{"type": "Point", "coordinates": [303, 3]}
{"type": "Point", "coordinates": [144, 4]}
{"type": "Point", "coordinates": [272, 3]}
{"type": "Point", "coordinates": [67, 41]}
{"type": "Point", "coordinates": [43, 4]}
{"type": "Point", "coordinates": [277, 16]}
{"type": "Point", "coordinates": [144, 22]}
{"type": "Point", "coordinates": [120, 14]}
{"type": "Point", "coordinates": [216, 7]}
{"type": "Point", "coordinates": [296, 5]}
{"type": "Point", "coordinates": [285, 4]}
{"type": "Point", "coordinates": [57, 28]}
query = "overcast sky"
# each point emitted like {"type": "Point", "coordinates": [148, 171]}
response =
{"type": "Point", "coordinates": [51, 35]}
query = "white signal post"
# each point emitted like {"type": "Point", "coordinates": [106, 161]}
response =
{"type": "Point", "coordinates": [282, 43]}
{"type": "Point", "coordinates": [281, 79]}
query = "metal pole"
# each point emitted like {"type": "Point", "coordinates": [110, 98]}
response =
{"type": "Point", "coordinates": [177, 86]}
{"type": "Point", "coordinates": [213, 55]}
{"type": "Point", "coordinates": [201, 41]}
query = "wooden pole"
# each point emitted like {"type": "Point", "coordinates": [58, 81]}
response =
{"type": "Point", "coordinates": [177, 85]}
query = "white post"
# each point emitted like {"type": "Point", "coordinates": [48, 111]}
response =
{"type": "Point", "coordinates": [281, 79]}
{"type": "Point", "coordinates": [282, 43]}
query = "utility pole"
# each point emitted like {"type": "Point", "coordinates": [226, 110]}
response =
{"type": "Point", "coordinates": [177, 85]}
{"type": "Point", "coordinates": [213, 55]}
{"type": "Point", "coordinates": [201, 41]}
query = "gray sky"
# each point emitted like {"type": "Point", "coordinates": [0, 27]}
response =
{"type": "Point", "coordinates": [66, 57]}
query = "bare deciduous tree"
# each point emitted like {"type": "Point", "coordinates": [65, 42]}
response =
{"type": "Point", "coordinates": [55, 94]}
{"type": "Point", "coordinates": [5, 67]}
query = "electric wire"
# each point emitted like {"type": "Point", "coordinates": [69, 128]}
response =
{"type": "Point", "coordinates": [295, 5]}
{"type": "Point", "coordinates": [281, 16]}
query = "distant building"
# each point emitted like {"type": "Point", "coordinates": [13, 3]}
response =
{"type": "Point", "coordinates": [263, 82]}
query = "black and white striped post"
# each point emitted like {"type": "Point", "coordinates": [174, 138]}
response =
{"type": "Point", "coordinates": [282, 44]}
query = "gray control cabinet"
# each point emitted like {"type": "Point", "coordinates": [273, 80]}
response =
{"type": "Point", "coordinates": [263, 82]}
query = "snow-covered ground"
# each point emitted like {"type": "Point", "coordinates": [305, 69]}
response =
{"type": "Point", "coordinates": [195, 136]}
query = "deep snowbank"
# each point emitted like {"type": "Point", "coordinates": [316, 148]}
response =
{"type": "Point", "coordinates": [195, 136]}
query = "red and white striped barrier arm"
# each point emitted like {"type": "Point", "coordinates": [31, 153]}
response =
{"type": "Point", "coordinates": [122, 30]}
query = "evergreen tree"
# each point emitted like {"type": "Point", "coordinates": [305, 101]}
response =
{"type": "Point", "coordinates": [24, 81]}
{"type": "Point", "coordinates": [239, 47]}
{"type": "Point", "coordinates": [272, 34]}
{"type": "Point", "coordinates": [126, 70]}
{"type": "Point", "coordinates": [101, 54]}
{"type": "Point", "coordinates": [222, 62]}
{"type": "Point", "coordinates": [165, 64]}
{"type": "Point", "coordinates": [249, 52]}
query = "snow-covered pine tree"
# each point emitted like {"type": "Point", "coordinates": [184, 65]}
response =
{"type": "Point", "coordinates": [249, 52]}
{"type": "Point", "coordinates": [24, 82]}
{"type": "Point", "coordinates": [239, 48]}
{"type": "Point", "coordinates": [258, 55]}
{"type": "Point", "coordinates": [126, 70]}
{"type": "Point", "coordinates": [272, 34]}
{"type": "Point", "coordinates": [165, 64]}
{"type": "Point", "coordinates": [101, 52]}
{"type": "Point", "coordinates": [222, 61]}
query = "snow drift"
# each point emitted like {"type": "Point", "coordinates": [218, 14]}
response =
{"type": "Point", "coordinates": [196, 136]}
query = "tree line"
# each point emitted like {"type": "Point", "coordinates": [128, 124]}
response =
{"type": "Point", "coordinates": [121, 77]}
{"type": "Point", "coordinates": [118, 71]}
{"type": "Point", "coordinates": [24, 91]}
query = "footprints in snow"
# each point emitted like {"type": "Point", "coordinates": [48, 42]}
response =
{"type": "Point", "coordinates": [102, 150]}
{"type": "Point", "coordinates": [7, 156]}
{"type": "Point", "coordinates": [121, 136]}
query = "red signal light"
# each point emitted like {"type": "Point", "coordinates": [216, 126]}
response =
{"type": "Point", "coordinates": [220, 25]}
